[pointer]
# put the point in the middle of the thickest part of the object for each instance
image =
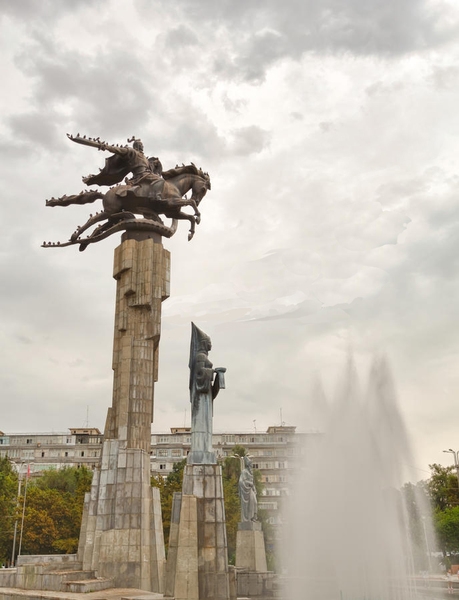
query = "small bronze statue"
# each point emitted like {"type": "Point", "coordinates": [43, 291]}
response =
{"type": "Point", "coordinates": [150, 192]}
{"type": "Point", "coordinates": [203, 390]}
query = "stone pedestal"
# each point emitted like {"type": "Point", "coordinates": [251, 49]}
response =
{"type": "Point", "coordinates": [169, 583]}
{"type": "Point", "coordinates": [250, 547]}
{"type": "Point", "coordinates": [202, 553]}
{"type": "Point", "coordinates": [121, 535]}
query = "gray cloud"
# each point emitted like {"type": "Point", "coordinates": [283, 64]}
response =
{"type": "Point", "coordinates": [328, 130]}
{"type": "Point", "coordinates": [47, 10]}
{"type": "Point", "coordinates": [87, 85]}
{"type": "Point", "coordinates": [256, 36]}
{"type": "Point", "coordinates": [249, 140]}
{"type": "Point", "coordinates": [181, 37]}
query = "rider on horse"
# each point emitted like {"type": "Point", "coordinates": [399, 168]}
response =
{"type": "Point", "coordinates": [126, 160]}
{"type": "Point", "coordinates": [150, 192]}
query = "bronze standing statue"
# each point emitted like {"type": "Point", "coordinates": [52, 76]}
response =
{"type": "Point", "coordinates": [150, 192]}
{"type": "Point", "coordinates": [203, 390]}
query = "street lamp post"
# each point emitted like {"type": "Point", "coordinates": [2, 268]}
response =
{"type": "Point", "coordinates": [13, 554]}
{"type": "Point", "coordinates": [455, 453]}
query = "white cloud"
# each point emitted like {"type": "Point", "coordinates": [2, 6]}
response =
{"type": "Point", "coordinates": [330, 134]}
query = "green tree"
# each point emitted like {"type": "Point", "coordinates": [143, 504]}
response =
{"type": "Point", "coordinates": [76, 481]}
{"type": "Point", "coordinates": [8, 502]}
{"type": "Point", "coordinates": [442, 487]}
{"type": "Point", "coordinates": [167, 486]}
{"type": "Point", "coordinates": [447, 527]}
{"type": "Point", "coordinates": [231, 469]}
{"type": "Point", "coordinates": [53, 511]}
{"type": "Point", "coordinates": [442, 490]}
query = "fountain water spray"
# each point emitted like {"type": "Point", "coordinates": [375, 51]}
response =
{"type": "Point", "coordinates": [345, 533]}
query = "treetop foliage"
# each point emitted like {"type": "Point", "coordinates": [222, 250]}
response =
{"type": "Point", "coordinates": [52, 514]}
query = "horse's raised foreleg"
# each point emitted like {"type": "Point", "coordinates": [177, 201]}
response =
{"type": "Point", "coordinates": [197, 214]}
{"type": "Point", "coordinates": [179, 203]}
{"type": "Point", "coordinates": [81, 198]}
{"type": "Point", "coordinates": [191, 219]}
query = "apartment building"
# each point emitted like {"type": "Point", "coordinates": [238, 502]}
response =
{"type": "Point", "coordinates": [40, 451]}
{"type": "Point", "coordinates": [275, 453]}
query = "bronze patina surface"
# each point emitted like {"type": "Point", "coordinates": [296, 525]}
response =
{"type": "Point", "coordinates": [149, 192]}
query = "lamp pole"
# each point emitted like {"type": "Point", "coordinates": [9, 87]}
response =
{"type": "Point", "coordinates": [455, 453]}
{"type": "Point", "coordinates": [13, 557]}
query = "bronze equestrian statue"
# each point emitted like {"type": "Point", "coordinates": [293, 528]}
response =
{"type": "Point", "coordinates": [149, 192]}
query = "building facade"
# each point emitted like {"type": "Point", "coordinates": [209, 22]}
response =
{"type": "Point", "coordinates": [276, 453]}
{"type": "Point", "coordinates": [40, 451]}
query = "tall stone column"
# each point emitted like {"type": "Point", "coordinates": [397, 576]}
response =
{"type": "Point", "coordinates": [121, 535]}
{"type": "Point", "coordinates": [142, 270]}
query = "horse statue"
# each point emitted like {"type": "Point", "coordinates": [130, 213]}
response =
{"type": "Point", "coordinates": [150, 192]}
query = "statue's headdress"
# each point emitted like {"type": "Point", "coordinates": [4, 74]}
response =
{"type": "Point", "coordinates": [198, 338]}
{"type": "Point", "coordinates": [135, 141]}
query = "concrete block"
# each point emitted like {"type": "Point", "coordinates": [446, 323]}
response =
{"type": "Point", "coordinates": [218, 487]}
{"type": "Point", "coordinates": [221, 540]}
{"type": "Point", "coordinates": [136, 487]}
{"type": "Point", "coordinates": [209, 510]}
{"type": "Point", "coordinates": [208, 555]}
{"type": "Point", "coordinates": [209, 486]}
{"type": "Point", "coordinates": [222, 591]}
{"type": "Point", "coordinates": [209, 535]}
{"type": "Point", "coordinates": [134, 521]}
{"type": "Point", "coordinates": [122, 460]}
{"type": "Point", "coordinates": [219, 511]}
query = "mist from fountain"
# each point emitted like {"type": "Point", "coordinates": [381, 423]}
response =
{"type": "Point", "coordinates": [345, 526]}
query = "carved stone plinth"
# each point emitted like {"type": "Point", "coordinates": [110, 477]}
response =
{"type": "Point", "coordinates": [201, 556]}
{"type": "Point", "coordinates": [250, 547]}
{"type": "Point", "coordinates": [121, 535]}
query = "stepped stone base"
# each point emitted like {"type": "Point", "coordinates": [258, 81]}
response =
{"type": "Point", "coordinates": [112, 594]}
{"type": "Point", "coordinates": [84, 586]}
{"type": "Point", "coordinates": [58, 574]}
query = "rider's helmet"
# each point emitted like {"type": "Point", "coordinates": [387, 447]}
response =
{"type": "Point", "coordinates": [138, 145]}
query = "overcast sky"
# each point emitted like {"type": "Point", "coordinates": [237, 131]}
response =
{"type": "Point", "coordinates": [331, 134]}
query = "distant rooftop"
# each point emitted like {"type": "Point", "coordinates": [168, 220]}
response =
{"type": "Point", "coordinates": [281, 429]}
{"type": "Point", "coordinates": [73, 431]}
{"type": "Point", "coordinates": [84, 431]}
{"type": "Point", "coordinates": [271, 429]}
{"type": "Point", "coordinates": [180, 429]}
